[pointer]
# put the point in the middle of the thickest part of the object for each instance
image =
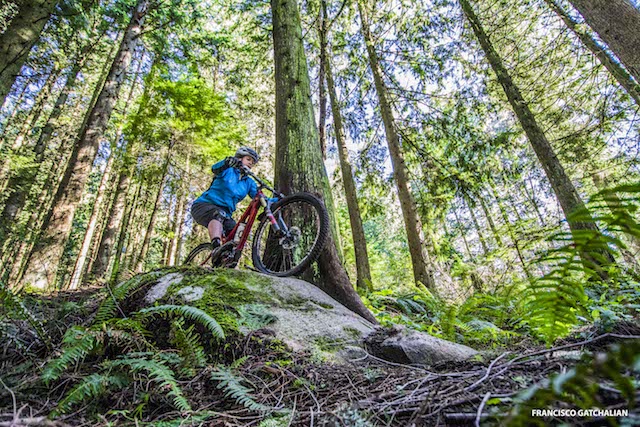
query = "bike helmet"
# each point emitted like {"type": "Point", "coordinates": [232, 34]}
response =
{"type": "Point", "coordinates": [247, 151]}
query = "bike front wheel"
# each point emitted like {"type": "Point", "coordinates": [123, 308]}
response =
{"type": "Point", "coordinates": [200, 255]}
{"type": "Point", "coordinates": [304, 224]}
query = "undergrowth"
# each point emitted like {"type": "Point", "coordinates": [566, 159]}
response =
{"type": "Point", "coordinates": [590, 278]}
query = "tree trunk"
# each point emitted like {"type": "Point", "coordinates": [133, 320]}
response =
{"type": "Point", "coordinates": [34, 115]}
{"type": "Point", "coordinates": [181, 200]}
{"type": "Point", "coordinates": [489, 218]}
{"type": "Point", "coordinates": [128, 211]}
{"type": "Point", "coordinates": [11, 181]}
{"type": "Point", "coordinates": [564, 190]}
{"type": "Point", "coordinates": [47, 254]}
{"type": "Point", "coordinates": [618, 72]}
{"type": "Point", "coordinates": [117, 209]}
{"type": "Point", "coordinates": [18, 39]}
{"type": "Point", "coordinates": [617, 22]}
{"type": "Point", "coordinates": [78, 270]}
{"type": "Point", "coordinates": [14, 112]}
{"type": "Point", "coordinates": [514, 240]}
{"type": "Point", "coordinates": [422, 271]}
{"type": "Point", "coordinates": [322, 94]}
{"type": "Point", "coordinates": [299, 165]}
{"type": "Point", "coordinates": [363, 271]}
{"type": "Point", "coordinates": [463, 234]}
{"type": "Point", "coordinates": [483, 242]}
{"type": "Point", "coordinates": [154, 214]}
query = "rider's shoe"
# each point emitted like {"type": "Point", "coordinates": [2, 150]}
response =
{"type": "Point", "coordinates": [215, 244]}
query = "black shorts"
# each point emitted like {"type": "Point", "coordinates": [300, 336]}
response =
{"type": "Point", "coordinates": [204, 213]}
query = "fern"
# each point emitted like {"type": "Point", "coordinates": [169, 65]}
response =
{"type": "Point", "coordinates": [10, 300]}
{"type": "Point", "coordinates": [188, 343]}
{"type": "Point", "coordinates": [90, 387]}
{"type": "Point", "coordinates": [581, 387]}
{"type": "Point", "coordinates": [255, 316]}
{"type": "Point", "coordinates": [188, 312]}
{"type": "Point", "coordinates": [160, 373]}
{"type": "Point", "coordinates": [78, 343]}
{"type": "Point", "coordinates": [109, 306]}
{"type": "Point", "coordinates": [233, 388]}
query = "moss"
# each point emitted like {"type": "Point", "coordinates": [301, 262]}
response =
{"type": "Point", "coordinates": [225, 291]}
{"type": "Point", "coordinates": [324, 305]}
{"type": "Point", "coordinates": [352, 333]}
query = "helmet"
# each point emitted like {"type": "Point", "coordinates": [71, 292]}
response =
{"type": "Point", "coordinates": [248, 151]}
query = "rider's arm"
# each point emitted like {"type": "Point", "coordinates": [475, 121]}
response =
{"type": "Point", "coordinates": [219, 167]}
{"type": "Point", "coordinates": [253, 188]}
{"type": "Point", "coordinates": [224, 164]}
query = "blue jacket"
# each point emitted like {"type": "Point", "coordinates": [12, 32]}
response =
{"type": "Point", "coordinates": [228, 188]}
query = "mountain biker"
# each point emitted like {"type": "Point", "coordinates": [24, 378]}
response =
{"type": "Point", "coordinates": [213, 209]}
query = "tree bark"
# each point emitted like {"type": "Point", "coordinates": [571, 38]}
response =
{"type": "Point", "coordinates": [181, 200]}
{"type": "Point", "coordinates": [47, 254]}
{"type": "Point", "coordinates": [483, 242]}
{"type": "Point", "coordinates": [10, 181]}
{"type": "Point", "coordinates": [563, 188]}
{"type": "Point", "coordinates": [117, 208]}
{"type": "Point", "coordinates": [618, 72]}
{"type": "Point", "coordinates": [363, 271]}
{"type": "Point", "coordinates": [299, 165]}
{"type": "Point", "coordinates": [617, 22]}
{"type": "Point", "coordinates": [128, 211]}
{"type": "Point", "coordinates": [154, 214]}
{"type": "Point", "coordinates": [489, 217]}
{"type": "Point", "coordinates": [422, 271]}
{"type": "Point", "coordinates": [18, 39]}
{"type": "Point", "coordinates": [514, 240]}
{"type": "Point", "coordinates": [78, 269]}
{"type": "Point", "coordinates": [322, 93]}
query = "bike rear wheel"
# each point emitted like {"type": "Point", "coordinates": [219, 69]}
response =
{"type": "Point", "coordinates": [291, 252]}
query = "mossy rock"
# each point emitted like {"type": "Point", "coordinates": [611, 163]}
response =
{"type": "Point", "coordinates": [292, 310]}
{"type": "Point", "coordinates": [299, 313]}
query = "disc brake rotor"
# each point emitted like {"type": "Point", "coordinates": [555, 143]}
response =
{"type": "Point", "coordinates": [291, 239]}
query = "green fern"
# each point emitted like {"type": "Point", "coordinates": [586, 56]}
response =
{"type": "Point", "coordinates": [90, 387]}
{"type": "Point", "coordinates": [78, 342]}
{"type": "Point", "coordinates": [188, 312]}
{"type": "Point", "coordinates": [117, 294]}
{"type": "Point", "coordinates": [160, 373]}
{"type": "Point", "coordinates": [188, 344]}
{"type": "Point", "coordinates": [10, 300]}
{"type": "Point", "coordinates": [553, 304]}
{"type": "Point", "coordinates": [232, 387]}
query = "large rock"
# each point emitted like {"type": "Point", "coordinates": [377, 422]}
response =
{"type": "Point", "coordinates": [299, 314]}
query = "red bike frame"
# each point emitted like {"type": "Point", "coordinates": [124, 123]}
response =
{"type": "Point", "coordinates": [249, 217]}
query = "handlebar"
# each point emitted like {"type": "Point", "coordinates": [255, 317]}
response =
{"type": "Point", "coordinates": [248, 172]}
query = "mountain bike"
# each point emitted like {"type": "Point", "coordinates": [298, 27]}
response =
{"type": "Point", "coordinates": [289, 236]}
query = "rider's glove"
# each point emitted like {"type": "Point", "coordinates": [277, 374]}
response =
{"type": "Point", "coordinates": [232, 162]}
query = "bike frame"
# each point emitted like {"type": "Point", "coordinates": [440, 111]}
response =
{"type": "Point", "coordinates": [250, 214]}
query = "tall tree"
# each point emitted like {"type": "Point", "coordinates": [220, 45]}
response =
{"type": "Point", "coordinates": [563, 188]}
{"type": "Point", "coordinates": [617, 71]}
{"type": "Point", "coordinates": [47, 254]}
{"type": "Point", "coordinates": [617, 22]}
{"type": "Point", "coordinates": [422, 271]}
{"type": "Point", "coordinates": [363, 271]}
{"type": "Point", "coordinates": [298, 160]}
{"type": "Point", "coordinates": [18, 39]}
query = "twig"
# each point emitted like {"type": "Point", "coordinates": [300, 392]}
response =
{"type": "Point", "coordinates": [577, 344]}
{"type": "Point", "coordinates": [486, 375]}
{"type": "Point", "coordinates": [481, 407]}
{"type": "Point", "coordinates": [13, 399]}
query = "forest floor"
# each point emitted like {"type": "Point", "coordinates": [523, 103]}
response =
{"type": "Point", "coordinates": [297, 389]}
